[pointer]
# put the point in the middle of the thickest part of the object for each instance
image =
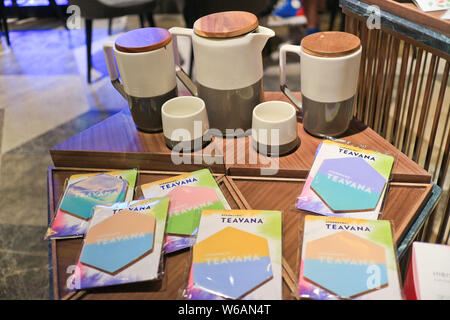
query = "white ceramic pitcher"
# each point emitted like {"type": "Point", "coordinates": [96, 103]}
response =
{"type": "Point", "coordinates": [229, 72]}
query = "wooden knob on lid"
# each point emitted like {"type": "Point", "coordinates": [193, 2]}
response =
{"type": "Point", "coordinates": [330, 44]}
{"type": "Point", "coordinates": [225, 24]}
{"type": "Point", "coordinates": [143, 40]}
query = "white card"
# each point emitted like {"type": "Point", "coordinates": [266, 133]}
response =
{"type": "Point", "coordinates": [432, 5]}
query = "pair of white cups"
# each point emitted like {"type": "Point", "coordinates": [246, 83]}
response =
{"type": "Point", "coordinates": [186, 126]}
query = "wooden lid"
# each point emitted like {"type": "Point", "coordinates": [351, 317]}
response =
{"type": "Point", "coordinates": [143, 40]}
{"type": "Point", "coordinates": [330, 44]}
{"type": "Point", "coordinates": [225, 24]}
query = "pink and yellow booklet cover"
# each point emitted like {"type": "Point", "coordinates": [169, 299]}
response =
{"type": "Point", "coordinates": [189, 194]}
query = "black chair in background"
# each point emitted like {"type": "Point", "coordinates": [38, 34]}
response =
{"type": "Point", "coordinates": [20, 14]}
{"type": "Point", "coordinates": [94, 9]}
{"type": "Point", "coordinates": [59, 12]}
{"type": "Point", "coordinates": [334, 9]}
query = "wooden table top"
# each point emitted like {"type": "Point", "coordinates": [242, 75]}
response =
{"type": "Point", "coordinates": [116, 143]}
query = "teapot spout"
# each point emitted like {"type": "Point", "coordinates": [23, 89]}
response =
{"type": "Point", "coordinates": [260, 36]}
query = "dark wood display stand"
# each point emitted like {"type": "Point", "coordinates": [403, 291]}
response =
{"type": "Point", "coordinates": [115, 143]}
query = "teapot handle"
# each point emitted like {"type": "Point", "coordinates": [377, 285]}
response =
{"type": "Point", "coordinates": [181, 74]}
{"type": "Point", "coordinates": [113, 74]}
{"type": "Point", "coordinates": [288, 93]}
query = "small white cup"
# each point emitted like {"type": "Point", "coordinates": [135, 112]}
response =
{"type": "Point", "coordinates": [274, 128]}
{"type": "Point", "coordinates": [185, 123]}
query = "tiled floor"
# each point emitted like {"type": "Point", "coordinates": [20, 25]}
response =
{"type": "Point", "coordinates": [44, 100]}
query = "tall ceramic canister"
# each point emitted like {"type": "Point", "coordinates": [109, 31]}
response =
{"type": "Point", "coordinates": [329, 70]}
{"type": "Point", "coordinates": [228, 67]}
{"type": "Point", "coordinates": [147, 73]}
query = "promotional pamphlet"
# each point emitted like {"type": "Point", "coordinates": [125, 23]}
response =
{"type": "Point", "coordinates": [189, 194]}
{"type": "Point", "coordinates": [345, 258]}
{"type": "Point", "coordinates": [346, 181]}
{"type": "Point", "coordinates": [123, 244]}
{"type": "Point", "coordinates": [237, 255]}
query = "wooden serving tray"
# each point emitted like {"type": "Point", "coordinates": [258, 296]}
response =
{"type": "Point", "coordinates": [298, 163]}
{"type": "Point", "coordinates": [402, 204]}
{"type": "Point", "coordinates": [116, 143]}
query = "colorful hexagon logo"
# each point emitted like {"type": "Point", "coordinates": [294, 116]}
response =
{"type": "Point", "coordinates": [348, 184]}
{"type": "Point", "coordinates": [345, 264]}
{"type": "Point", "coordinates": [231, 263]}
{"type": "Point", "coordinates": [118, 241]}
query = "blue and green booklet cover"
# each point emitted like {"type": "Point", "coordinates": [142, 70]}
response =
{"type": "Point", "coordinates": [83, 193]}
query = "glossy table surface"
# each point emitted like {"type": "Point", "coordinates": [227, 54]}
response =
{"type": "Point", "coordinates": [116, 143]}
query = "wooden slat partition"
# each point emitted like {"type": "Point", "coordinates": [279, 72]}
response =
{"type": "Point", "coordinates": [437, 114]}
{"type": "Point", "coordinates": [411, 115]}
{"type": "Point", "coordinates": [403, 96]}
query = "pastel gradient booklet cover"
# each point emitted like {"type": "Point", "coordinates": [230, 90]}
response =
{"type": "Point", "coordinates": [122, 245]}
{"type": "Point", "coordinates": [346, 181]}
{"type": "Point", "coordinates": [83, 193]}
{"type": "Point", "coordinates": [237, 255]}
{"type": "Point", "coordinates": [189, 194]}
{"type": "Point", "coordinates": [345, 258]}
